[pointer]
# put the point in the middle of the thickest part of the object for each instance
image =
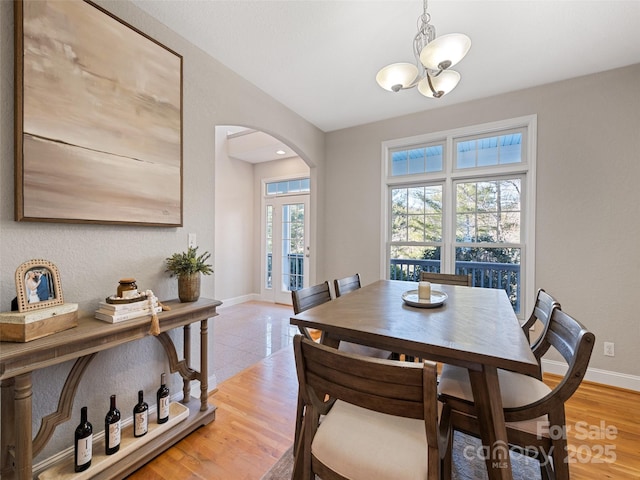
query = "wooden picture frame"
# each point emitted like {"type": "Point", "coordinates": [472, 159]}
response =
{"type": "Point", "coordinates": [98, 118]}
{"type": "Point", "coordinates": [36, 279]}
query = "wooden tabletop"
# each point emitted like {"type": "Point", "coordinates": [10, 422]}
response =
{"type": "Point", "coordinates": [475, 326]}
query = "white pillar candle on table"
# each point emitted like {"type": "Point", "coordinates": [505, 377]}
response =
{"type": "Point", "coordinates": [424, 291]}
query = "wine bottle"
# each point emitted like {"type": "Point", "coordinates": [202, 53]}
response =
{"type": "Point", "coordinates": [140, 416]}
{"type": "Point", "coordinates": [112, 428]}
{"type": "Point", "coordinates": [83, 443]}
{"type": "Point", "coordinates": [162, 397]}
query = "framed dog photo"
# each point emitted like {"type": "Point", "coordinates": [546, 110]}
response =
{"type": "Point", "coordinates": [38, 285]}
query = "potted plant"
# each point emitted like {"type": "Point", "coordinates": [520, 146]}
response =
{"type": "Point", "coordinates": [188, 266]}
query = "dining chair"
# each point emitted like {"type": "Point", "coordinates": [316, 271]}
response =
{"type": "Point", "coordinates": [446, 278]}
{"type": "Point", "coordinates": [541, 313]}
{"type": "Point", "coordinates": [307, 298]}
{"type": "Point", "coordinates": [346, 284]}
{"type": "Point", "coordinates": [379, 417]}
{"type": "Point", "coordinates": [535, 413]}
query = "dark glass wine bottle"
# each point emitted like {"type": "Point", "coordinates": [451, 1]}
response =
{"type": "Point", "coordinates": [140, 416]}
{"type": "Point", "coordinates": [83, 443]}
{"type": "Point", "coordinates": [112, 428]}
{"type": "Point", "coordinates": [162, 398]}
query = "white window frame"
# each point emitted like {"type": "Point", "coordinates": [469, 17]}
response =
{"type": "Point", "coordinates": [450, 175]}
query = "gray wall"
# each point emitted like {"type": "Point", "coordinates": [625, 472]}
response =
{"type": "Point", "coordinates": [588, 218]}
{"type": "Point", "coordinates": [91, 258]}
{"type": "Point", "coordinates": [588, 213]}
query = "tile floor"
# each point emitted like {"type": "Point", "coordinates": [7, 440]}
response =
{"type": "Point", "coordinates": [246, 333]}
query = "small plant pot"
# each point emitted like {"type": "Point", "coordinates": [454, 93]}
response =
{"type": "Point", "coordinates": [189, 287]}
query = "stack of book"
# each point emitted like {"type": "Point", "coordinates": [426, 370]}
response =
{"type": "Point", "coordinates": [119, 312]}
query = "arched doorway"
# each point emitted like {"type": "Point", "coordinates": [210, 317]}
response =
{"type": "Point", "coordinates": [262, 231]}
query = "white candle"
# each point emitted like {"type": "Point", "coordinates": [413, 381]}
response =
{"type": "Point", "coordinates": [424, 291]}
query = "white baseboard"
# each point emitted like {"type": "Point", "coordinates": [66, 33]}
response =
{"type": "Point", "coordinates": [241, 299]}
{"type": "Point", "coordinates": [212, 384]}
{"type": "Point", "coordinates": [606, 377]}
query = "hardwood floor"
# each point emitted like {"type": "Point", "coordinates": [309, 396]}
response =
{"type": "Point", "coordinates": [603, 432]}
{"type": "Point", "coordinates": [255, 418]}
{"type": "Point", "coordinates": [253, 427]}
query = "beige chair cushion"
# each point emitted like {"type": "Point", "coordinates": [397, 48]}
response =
{"type": "Point", "coordinates": [516, 389]}
{"type": "Point", "coordinates": [361, 444]}
{"type": "Point", "coordinates": [363, 350]}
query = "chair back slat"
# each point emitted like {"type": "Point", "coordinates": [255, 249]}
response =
{"type": "Point", "coordinates": [567, 336]}
{"type": "Point", "coordinates": [346, 284]}
{"type": "Point", "coordinates": [446, 278]}
{"type": "Point", "coordinates": [394, 388]}
{"type": "Point", "coordinates": [309, 297]}
{"type": "Point", "coordinates": [541, 313]}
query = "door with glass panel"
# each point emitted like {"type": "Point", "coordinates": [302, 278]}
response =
{"type": "Point", "coordinates": [285, 263]}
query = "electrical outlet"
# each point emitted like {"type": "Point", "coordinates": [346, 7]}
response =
{"type": "Point", "coordinates": [192, 240]}
{"type": "Point", "coordinates": [609, 350]}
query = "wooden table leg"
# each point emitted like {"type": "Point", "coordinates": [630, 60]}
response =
{"type": "Point", "coordinates": [486, 396]}
{"type": "Point", "coordinates": [204, 353]}
{"type": "Point", "coordinates": [22, 401]}
{"type": "Point", "coordinates": [186, 383]}
{"type": "Point", "coordinates": [329, 341]}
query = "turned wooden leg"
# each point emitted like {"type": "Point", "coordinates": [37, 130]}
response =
{"type": "Point", "coordinates": [204, 368]}
{"type": "Point", "coordinates": [7, 433]}
{"type": "Point", "coordinates": [186, 383]}
{"type": "Point", "coordinates": [24, 452]}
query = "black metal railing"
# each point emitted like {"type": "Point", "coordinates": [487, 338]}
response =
{"type": "Point", "coordinates": [295, 273]}
{"type": "Point", "coordinates": [483, 274]}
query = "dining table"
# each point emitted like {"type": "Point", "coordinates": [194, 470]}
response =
{"type": "Point", "coordinates": [471, 327]}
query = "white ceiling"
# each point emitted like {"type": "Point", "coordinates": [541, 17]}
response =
{"type": "Point", "coordinates": [320, 58]}
{"type": "Point", "coordinates": [254, 146]}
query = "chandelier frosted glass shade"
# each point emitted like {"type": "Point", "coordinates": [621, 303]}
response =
{"type": "Point", "coordinates": [442, 84]}
{"type": "Point", "coordinates": [433, 58]}
{"type": "Point", "coordinates": [445, 51]}
{"type": "Point", "coordinates": [397, 76]}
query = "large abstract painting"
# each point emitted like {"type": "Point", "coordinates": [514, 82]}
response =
{"type": "Point", "coordinates": [98, 118]}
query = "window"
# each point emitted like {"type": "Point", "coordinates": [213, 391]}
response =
{"type": "Point", "coordinates": [268, 242]}
{"type": "Point", "coordinates": [493, 150]}
{"type": "Point", "coordinates": [288, 187]}
{"type": "Point", "coordinates": [421, 159]}
{"type": "Point", "coordinates": [463, 202]}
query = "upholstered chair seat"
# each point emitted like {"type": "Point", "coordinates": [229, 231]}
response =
{"type": "Point", "coordinates": [358, 443]}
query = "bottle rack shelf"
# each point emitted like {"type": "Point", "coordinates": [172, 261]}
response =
{"type": "Point", "coordinates": [128, 446]}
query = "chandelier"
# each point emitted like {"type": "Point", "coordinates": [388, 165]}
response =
{"type": "Point", "coordinates": [434, 56]}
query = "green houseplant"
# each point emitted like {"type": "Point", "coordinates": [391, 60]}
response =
{"type": "Point", "coordinates": [188, 266]}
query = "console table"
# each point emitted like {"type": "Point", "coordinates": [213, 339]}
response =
{"type": "Point", "coordinates": [82, 344]}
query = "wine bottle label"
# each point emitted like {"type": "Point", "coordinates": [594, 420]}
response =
{"type": "Point", "coordinates": [85, 449]}
{"type": "Point", "coordinates": [141, 423]}
{"type": "Point", "coordinates": [164, 407]}
{"type": "Point", "coordinates": [114, 434]}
